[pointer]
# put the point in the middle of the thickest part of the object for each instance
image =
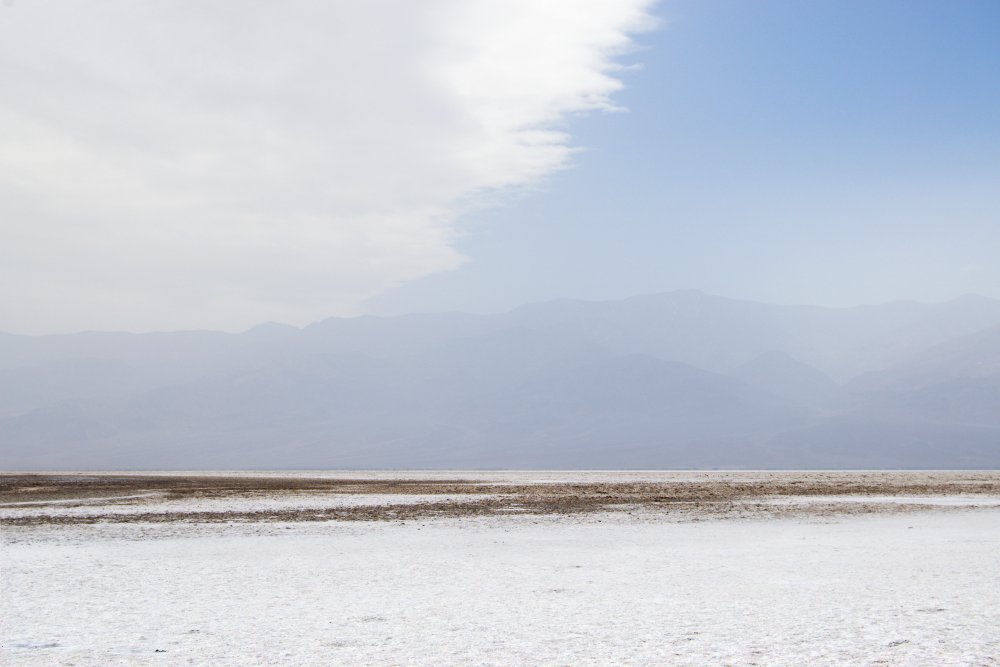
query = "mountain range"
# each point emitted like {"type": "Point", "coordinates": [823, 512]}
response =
{"type": "Point", "coordinates": [674, 380]}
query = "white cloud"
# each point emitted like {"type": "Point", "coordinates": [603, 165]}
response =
{"type": "Point", "coordinates": [176, 163]}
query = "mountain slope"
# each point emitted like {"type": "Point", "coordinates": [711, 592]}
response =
{"type": "Point", "coordinates": [778, 373]}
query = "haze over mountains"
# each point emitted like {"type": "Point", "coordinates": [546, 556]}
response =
{"type": "Point", "coordinates": [674, 380]}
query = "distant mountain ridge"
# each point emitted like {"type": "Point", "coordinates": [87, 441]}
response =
{"type": "Point", "coordinates": [680, 379]}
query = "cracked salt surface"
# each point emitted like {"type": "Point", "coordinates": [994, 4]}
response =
{"type": "Point", "coordinates": [155, 503]}
{"type": "Point", "coordinates": [83, 501]}
{"type": "Point", "coordinates": [915, 589]}
{"type": "Point", "coordinates": [936, 501]}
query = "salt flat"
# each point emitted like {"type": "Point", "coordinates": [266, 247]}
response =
{"type": "Point", "coordinates": [910, 585]}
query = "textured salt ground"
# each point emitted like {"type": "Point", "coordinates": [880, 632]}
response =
{"type": "Point", "coordinates": [152, 503]}
{"type": "Point", "coordinates": [36, 499]}
{"type": "Point", "coordinates": [902, 589]}
{"type": "Point", "coordinates": [934, 501]}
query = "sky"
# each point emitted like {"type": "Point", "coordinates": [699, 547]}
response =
{"type": "Point", "coordinates": [174, 165]}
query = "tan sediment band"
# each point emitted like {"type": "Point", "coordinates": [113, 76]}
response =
{"type": "Point", "coordinates": [703, 495]}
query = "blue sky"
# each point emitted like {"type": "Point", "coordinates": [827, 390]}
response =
{"type": "Point", "coordinates": [828, 152]}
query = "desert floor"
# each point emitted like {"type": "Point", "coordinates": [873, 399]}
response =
{"type": "Point", "coordinates": [499, 568]}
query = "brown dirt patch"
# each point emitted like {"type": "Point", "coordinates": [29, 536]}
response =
{"type": "Point", "coordinates": [703, 495]}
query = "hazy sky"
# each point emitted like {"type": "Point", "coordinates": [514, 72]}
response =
{"type": "Point", "coordinates": [179, 164]}
{"type": "Point", "coordinates": [823, 152]}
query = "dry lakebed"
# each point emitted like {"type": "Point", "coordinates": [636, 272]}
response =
{"type": "Point", "coordinates": [499, 568]}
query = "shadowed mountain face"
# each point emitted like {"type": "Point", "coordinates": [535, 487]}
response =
{"type": "Point", "coordinates": [681, 379]}
{"type": "Point", "coordinates": [793, 381]}
{"type": "Point", "coordinates": [957, 382]}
